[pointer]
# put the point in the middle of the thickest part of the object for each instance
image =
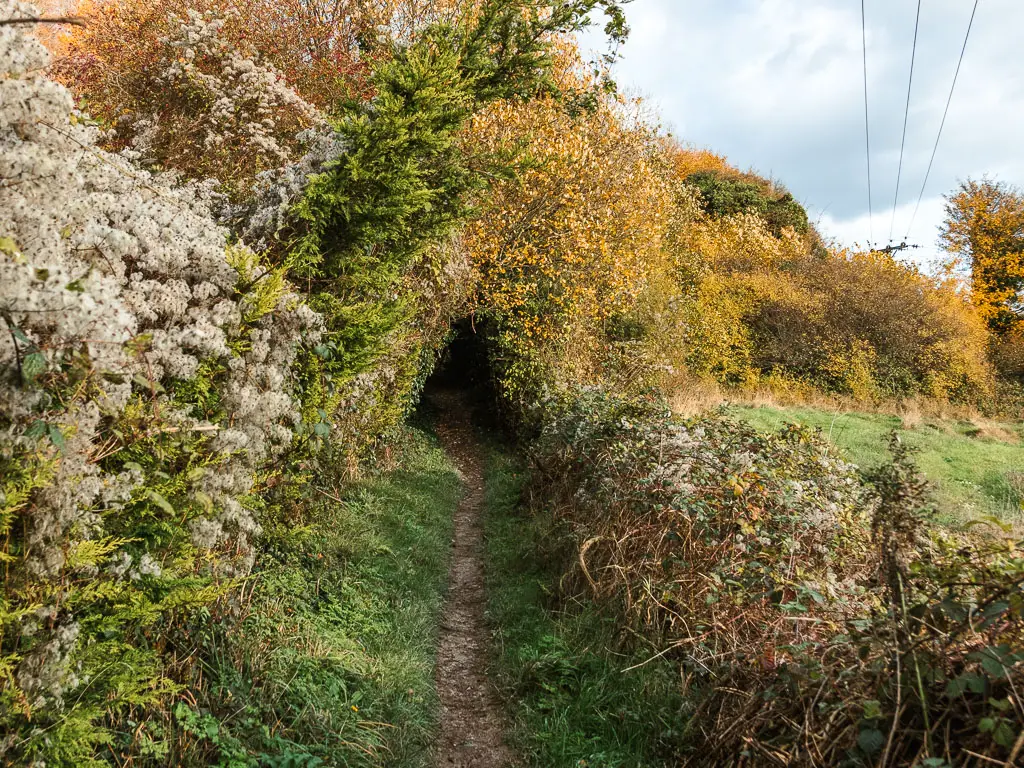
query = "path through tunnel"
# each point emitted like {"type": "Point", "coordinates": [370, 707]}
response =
{"type": "Point", "coordinates": [464, 365]}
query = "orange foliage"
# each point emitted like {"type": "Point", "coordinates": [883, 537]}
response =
{"type": "Point", "coordinates": [985, 228]}
{"type": "Point", "coordinates": [687, 160]}
{"type": "Point", "coordinates": [567, 244]}
{"type": "Point", "coordinates": [324, 48]}
{"type": "Point", "coordinates": [230, 103]}
{"type": "Point", "coordinates": [313, 44]}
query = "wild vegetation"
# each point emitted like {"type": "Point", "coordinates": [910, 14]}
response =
{"type": "Point", "coordinates": [234, 239]}
{"type": "Point", "coordinates": [973, 465]}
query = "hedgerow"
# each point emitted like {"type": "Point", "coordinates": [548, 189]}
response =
{"type": "Point", "coordinates": [168, 391]}
{"type": "Point", "coordinates": [147, 386]}
{"type": "Point", "coordinates": [815, 617]}
{"type": "Point", "coordinates": [752, 305]}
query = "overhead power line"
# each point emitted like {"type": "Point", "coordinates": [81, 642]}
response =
{"type": "Point", "coordinates": [867, 132]}
{"type": "Point", "coordinates": [944, 114]}
{"type": "Point", "coordinates": [906, 116]}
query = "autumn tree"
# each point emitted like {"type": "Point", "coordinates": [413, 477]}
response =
{"type": "Point", "coordinates": [753, 305]}
{"type": "Point", "coordinates": [566, 244]}
{"type": "Point", "coordinates": [984, 231]}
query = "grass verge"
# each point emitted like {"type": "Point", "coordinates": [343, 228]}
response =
{"type": "Point", "coordinates": [564, 669]}
{"type": "Point", "coordinates": [974, 474]}
{"type": "Point", "coordinates": [334, 663]}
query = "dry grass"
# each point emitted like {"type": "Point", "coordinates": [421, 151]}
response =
{"type": "Point", "coordinates": [902, 648]}
{"type": "Point", "coordinates": [691, 396]}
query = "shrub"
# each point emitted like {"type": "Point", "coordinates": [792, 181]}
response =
{"type": "Point", "coordinates": [753, 305]}
{"type": "Point", "coordinates": [146, 388]}
{"type": "Point", "coordinates": [315, 46]}
{"type": "Point", "coordinates": [705, 533]}
{"type": "Point", "coordinates": [185, 95]}
{"type": "Point", "coordinates": [803, 635]}
{"type": "Point", "coordinates": [725, 194]}
{"type": "Point", "coordinates": [927, 678]}
{"type": "Point", "coordinates": [567, 244]}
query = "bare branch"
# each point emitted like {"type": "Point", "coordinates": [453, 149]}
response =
{"type": "Point", "coordinates": [78, 21]}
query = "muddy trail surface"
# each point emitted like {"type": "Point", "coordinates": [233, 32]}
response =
{"type": "Point", "coordinates": [472, 723]}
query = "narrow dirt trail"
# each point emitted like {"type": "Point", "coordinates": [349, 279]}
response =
{"type": "Point", "coordinates": [471, 733]}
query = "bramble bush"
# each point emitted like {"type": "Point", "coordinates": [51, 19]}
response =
{"type": "Point", "coordinates": [815, 617]}
{"type": "Point", "coordinates": [705, 532]}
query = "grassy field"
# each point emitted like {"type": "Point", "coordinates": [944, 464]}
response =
{"type": "Point", "coordinates": [576, 697]}
{"type": "Point", "coordinates": [977, 470]}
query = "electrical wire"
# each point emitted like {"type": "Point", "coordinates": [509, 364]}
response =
{"type": "Point", "coordinates": [944, 114]}
{"type": "Point", "coordinates": [867, 131]}
{"type": "Point", "coordinates": [906, 116]}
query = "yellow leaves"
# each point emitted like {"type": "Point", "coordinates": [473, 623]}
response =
{"type": "Point", "coordinates": [984, 222]}
{"type": "Point", "coordinates": [571, 239]}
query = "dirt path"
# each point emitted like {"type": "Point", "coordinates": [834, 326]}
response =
{"type": "Point", "coordinates": [471, 719]}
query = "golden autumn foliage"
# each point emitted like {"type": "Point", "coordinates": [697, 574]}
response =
{"type": "Point", "coordinates": [605, 247]}
{"type": "Point", "coordinates": [984, 231]}
{"type": "Point", "coordinates": [568, 243]}
{"type": "Point", "coordinates": [685, 161]}
{"type": "Point", "coordinates": [600, 259]}
{"type": "Point", "coordinates": [753, 305]}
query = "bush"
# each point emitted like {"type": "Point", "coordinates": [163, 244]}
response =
{"type": "Point", "coordinates": [568, 244]}
{"type": "Point", "coordinates": [190, 93]}
{"type": "Point", "coordinates": [146, 387]}
{"type": "Point", "coordinates": [753, 306]}
{"type": "Point", "coordinates": [802, 634]}
{"type": "Point", "coordinates": [726, 194]}
{"type": "Point", "coordinates": [706, 531]}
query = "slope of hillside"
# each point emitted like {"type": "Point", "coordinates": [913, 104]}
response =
{"type": "Point", "coordinates": [977, 470]}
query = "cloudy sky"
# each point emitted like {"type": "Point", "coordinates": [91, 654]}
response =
{"type": "Point", "coordinates": [777, 86]}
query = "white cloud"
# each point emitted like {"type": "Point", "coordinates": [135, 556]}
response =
{"type": "Point", "coordinates": [856, 231]}
{"type": "Point", "coordinates": [776, 85]}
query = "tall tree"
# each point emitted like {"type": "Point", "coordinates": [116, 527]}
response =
{"type": "Point", "coordinates": [984, 230]}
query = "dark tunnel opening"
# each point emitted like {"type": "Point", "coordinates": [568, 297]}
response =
{"type": "Point", "coordinates": [465, 365]}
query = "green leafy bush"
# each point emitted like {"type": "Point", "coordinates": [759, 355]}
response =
{"type": "Point", "coordinates": [727, 194]}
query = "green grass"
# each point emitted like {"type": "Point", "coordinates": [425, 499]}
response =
{"type": "Point", "coordinates": [573, 701]}
{"type": "Point", "coordinates": [972, 473]}
{"type": "Point", "coordinates": [334, 664]}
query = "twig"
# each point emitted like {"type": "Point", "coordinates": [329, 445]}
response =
{"type": "Point", "coordinates": [1012, 761]}
{"type": "Point", "coordinates": [583, 563]}
{"type": "Point", "coordinates": [896, 717]}
{"type": "Point", "coordinates": [986, 758]}
{"type": "Point", "coordinates": [322, 492]}
{"type": "Point", "coordinates": [78, 21]}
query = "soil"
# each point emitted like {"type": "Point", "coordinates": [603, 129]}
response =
{"type": "Point", "coordinates": [472, 725]}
